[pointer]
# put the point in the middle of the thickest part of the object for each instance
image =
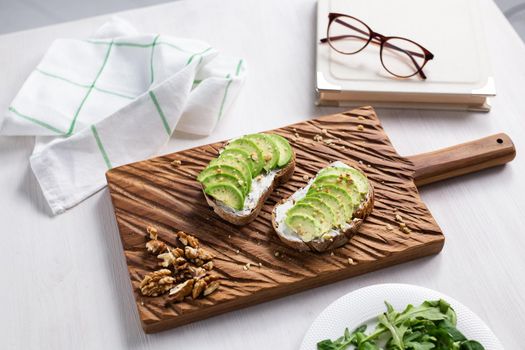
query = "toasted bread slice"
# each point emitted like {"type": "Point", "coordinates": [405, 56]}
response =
{"type": "Point", "coordinates": [257, 196]}
{"type": "Point", "coordinates": [333, 239]}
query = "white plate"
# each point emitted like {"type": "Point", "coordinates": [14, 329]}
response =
{"type": "Point", "coordinates": [363, 305]}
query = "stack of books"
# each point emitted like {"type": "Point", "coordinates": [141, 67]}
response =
{"type": "Point", "coordinates": [458, 77]}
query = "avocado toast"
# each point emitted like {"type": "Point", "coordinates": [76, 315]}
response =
{"type": "Point", "coordinates": [238, 182]}
{"type": "Point", "coordinates": [328, 211]}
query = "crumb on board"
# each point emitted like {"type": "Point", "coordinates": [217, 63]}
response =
{"type": "Point", "coordinates": [176, 162]}
{"type": "Point", "coordinates": [361, 117]}
{"type": "Point", "coordinates": [350, 261]}
{"type": "Point", "coordinates": [360, 127]}
{"type": "Point", "coordinates": [277, 254]}
{"type": "Point", "coordinates": [406, 230]}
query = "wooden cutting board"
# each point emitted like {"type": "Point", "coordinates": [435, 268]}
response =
{"type": "Point", "coordinates": [156, 193]}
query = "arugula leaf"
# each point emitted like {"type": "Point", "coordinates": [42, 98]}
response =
{"type": "Point", "coordinates": [452, 330]}
{"type": "Point", "coordinates": [471, 345]}
{"type": "Point", "coordinates": [339, 344]}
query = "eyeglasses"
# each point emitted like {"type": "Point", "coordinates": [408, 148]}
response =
{"type": "Point", "coordinates": [401, 57]}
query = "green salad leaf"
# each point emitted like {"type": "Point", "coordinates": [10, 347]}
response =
{"type": "Point", "coordinates": [429, 326]}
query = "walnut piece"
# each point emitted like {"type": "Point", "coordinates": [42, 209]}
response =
{"type": "Point", "coordinates": [212, 287]}
{"type": "Point", "coordinates": [167, 259]}
{"type": "Point", "coordinates": [178, 252]}
{"type": "Point", "coordinates": [152, 231]}
{"type": "Point", "coordinates": [157, 283]}
{"type": "Point", "coordinates": [183, 237]}
{"type": "Point", "coordinates": [180, 264]}
{"type": "Point", "coordinates": [208, 266]}
{"type": "Point", "coordinates": [155, 246]}
{"type": "Point", "coordinates": [204, 254]}
{"type": "Point", "coordinates": [198, 288]}
{"type": "Point", "coordinates": [191, 253]}
{"type": "Point", "coordinates": [197, 272]}
{"type": "Point", "coordinates": [211, 278]}
{"type": "Point", "coordinates": [181, 290]}
{"type": "Point", "coordinates": [193, 241]}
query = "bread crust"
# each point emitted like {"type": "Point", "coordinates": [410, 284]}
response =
{"type": "Point", "coordinates": [322, 244]}
{"type": "Point", "coordinates": [282, 176]}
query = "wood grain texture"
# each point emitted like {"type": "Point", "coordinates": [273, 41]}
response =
{"type": "Point", "coordinates": [463, 159]}
{"type": "Point", "coordinates": [154, 192]}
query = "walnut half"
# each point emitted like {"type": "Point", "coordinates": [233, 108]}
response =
{"type": "Point", "coordinates": [157, 283]}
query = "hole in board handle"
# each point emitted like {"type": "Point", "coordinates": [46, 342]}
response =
{"type": "Point", "coordinates": [499, 141]}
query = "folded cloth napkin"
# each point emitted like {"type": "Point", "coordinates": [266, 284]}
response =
{"type": "Point", "coordinates": [113, 99]}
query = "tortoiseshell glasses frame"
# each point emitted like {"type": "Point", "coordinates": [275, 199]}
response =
{"type": "Point", "coordinates": [356, 35]}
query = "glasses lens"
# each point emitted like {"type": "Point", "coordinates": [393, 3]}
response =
{"type": "Point", "coordinates": [402, 57]}
{"type": "Point", "coordinates": [347, 35]}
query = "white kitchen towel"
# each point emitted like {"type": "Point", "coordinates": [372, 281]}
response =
{"type": "Point", "coordinates": [113, 99]}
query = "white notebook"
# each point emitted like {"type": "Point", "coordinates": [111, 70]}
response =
{"type": "Point", "coordinates": [459, 76]}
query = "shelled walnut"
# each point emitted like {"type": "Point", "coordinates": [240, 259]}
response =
{"type": "Point", "coordinates": [186, 269]}
{"type": "Point", "coordinates": [155, 246]}
{"type": "Point", "coordinates": [157, 283]}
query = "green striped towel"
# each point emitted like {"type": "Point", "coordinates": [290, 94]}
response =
{"type": "Point", "coordinates": [113, 99]}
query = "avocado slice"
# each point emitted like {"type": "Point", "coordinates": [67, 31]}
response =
{"type": "Point", "coordinates": [224, 169]}
{"type": "Point", "coordinates": [269, 150]}
{"type": "Point", "coordinates": [333, 202]}
{"type": "Point", "coordinates": [237, 164]}
{"type": "Point", "coordinates": [360, 180]}
{"type": "Point", "coordinates": [284, 148]}
{"type": "Point", "coordinates": [343, 181]}
{"type": "Point", "coordinates": [241, 155]}
{"type": "Point", "coordinates": [324, 222]}
{"type": "Point", "coordinates": [227, 194]}
{"type": "Point", "coordinates": [321, 206]}
{"type": "Point", "coordinates": [253, 150]}
{"type": "Point", "coordinates": [338, 192]}
{"type": "Point", "coordinates": [305, 226]}
{"type": "Point", "coordinates": [215, 179]}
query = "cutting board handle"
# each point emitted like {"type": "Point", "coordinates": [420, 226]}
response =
{"type": "Point", "coordinates": [463, 159]}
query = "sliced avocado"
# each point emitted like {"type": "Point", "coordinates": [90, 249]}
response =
{"type": "Point", "coordinates": [360, 180]}
{"type": "Point", "coordinates": [325, 223]}
{"type": "Point", "coordinates": [224, 169]}
{"type": "Point", "coordinates": [321, 206]}
{"type": "Point", "coordinates": [253, 150]}
{"type": "Point", "coordinates": [284, 148]}
{"type": "Point", "coordinates": [338, 192]}
{"type": "Point", "coordinates": [227, 194]}
{"type": "Point", "coordinates": [241, 155]}
{"type": "Point", "coordinates": [215, 179]}
{"type": "Point", "coordinates": [305, 226]}
{"type": "Point", "coordinates": [269, 150]}
{"type": "Point", "coordinates": [237, 164]}
{"type": "Point", "coordinates": [334, 204]}
{"type": "Point", "coordinates": [343, 181]}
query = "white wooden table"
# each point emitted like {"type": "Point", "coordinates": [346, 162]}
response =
{"type": "Point", "coordinates": [64, 281]}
